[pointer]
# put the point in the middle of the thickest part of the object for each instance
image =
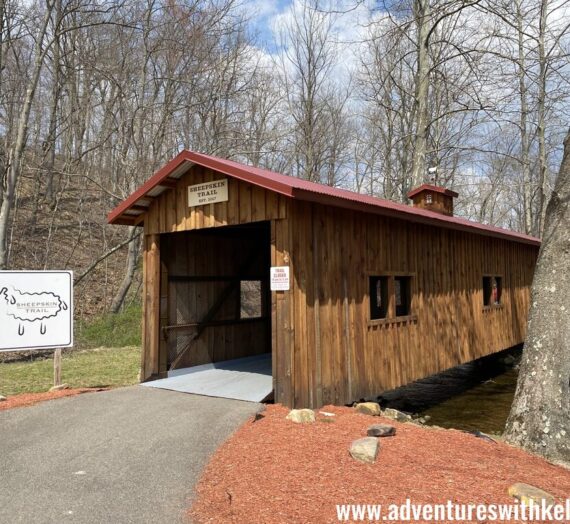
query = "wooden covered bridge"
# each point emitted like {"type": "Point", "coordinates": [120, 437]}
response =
{"type": "Point", "coordinates": [329, 296]}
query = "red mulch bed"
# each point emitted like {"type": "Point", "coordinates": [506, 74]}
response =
{"type": "Point", "coordinates": [29, 399]}
{"type": "Point", "coordinates": [276, 471]}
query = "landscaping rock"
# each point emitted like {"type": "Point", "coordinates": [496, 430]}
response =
{"type": "Point", "coordinates": [61, 387]}
{"type": "Point", "coordinates": [2, 399]}
{"type": "Point", "coordinates": [365, 449]}
{"type": "Point", "coordinates": [369, 408]}
{"type": "Point", "coordinates": [326, 414]}
{"type": "Point", "coordinates": [259, 415]}
{"type": "Point", "coordinates": [301, 416]}
{"type": "Point", "coordinates": [381, 430]}
{"type": "Point", "coordinates": [527, 493]}
{"type": "Point", "coordinates": [394, 414]}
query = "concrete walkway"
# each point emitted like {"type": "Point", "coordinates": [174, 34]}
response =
{"type": "Point", "coordinates": [248, 378]}
{"type": "Point", "coordinates": [122, 456]}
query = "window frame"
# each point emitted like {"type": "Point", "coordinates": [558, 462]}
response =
{"type": "Point", "coordinates": [489, 305]}
{"type": "Point", "coordinates": [384, 309]}
{"type": "Point", "coordinates": [405, 295]}
{"type": "Point", "coordinates": [391, 317]}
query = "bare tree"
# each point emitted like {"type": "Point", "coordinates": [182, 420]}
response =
{"type": "Point", "coordinates": [15, 151]}
{"type": "Point", "coordinates": [306, 64]}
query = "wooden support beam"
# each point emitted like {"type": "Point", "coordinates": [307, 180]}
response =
{"type": "Point", "coordinates": [212, 323]}
{"type": "Point", "coordinates": [151, 305]}
{"type": "Point", "coordinates": [214, 278]}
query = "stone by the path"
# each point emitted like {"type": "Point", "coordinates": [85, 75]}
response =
{"type": "Point", "coordinates": [61, 387]}
{"type": "Point", "coordinates": [2, 399]}
{"type": "Point", "coordinates": [326, 414]}
{"type": "Point", "coordinates": [394, 414]}
{"type": "Point", "coordinates": [369, 408]}
{"type": "Point", "coordinates": [381, 430]}
{"type": "Point", "coordinates": [365, 449]}
{"type": "Point", "coordinates": [527, 493]}
{"type": "Point", "coordinates": [301, 416]}
{"type": "Point", "coordinates": [259, 415]}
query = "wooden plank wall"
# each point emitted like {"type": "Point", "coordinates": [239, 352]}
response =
{"type": "Point", "coordinates": [339, 355]}
{"type": "Point", "coordinates": [207, 254]}
{"type": "Point", "coordinates": [170, 213]}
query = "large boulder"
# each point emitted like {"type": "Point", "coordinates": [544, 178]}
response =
{"type": "Point", "coordinates": [526, 493]}
{"type": "Point", "coordinates": [369, 408]}
{"type": "Point", "coordinates": [365, 449]}
{"type": "Point", "coordinates": [301, 416]}
{"type": "Point", "coordinates": [381, 430]}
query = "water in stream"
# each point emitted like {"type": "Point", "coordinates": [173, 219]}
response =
{"type": "Point", "coordinates": [474, 396]}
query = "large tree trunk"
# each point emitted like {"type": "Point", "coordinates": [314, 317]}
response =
{"type": "Point", "coordinates": [540, 416]}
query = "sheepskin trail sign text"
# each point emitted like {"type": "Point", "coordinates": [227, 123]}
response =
{"type": "Point", "coordinates": [208, 193]}
{"type": "Point", "coordinates": [36, 310]}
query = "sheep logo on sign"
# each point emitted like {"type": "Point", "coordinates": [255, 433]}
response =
{"type": "Point", "coordinates": [31, 307]}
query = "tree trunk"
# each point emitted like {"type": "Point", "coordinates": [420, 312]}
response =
{"type": "Point", "coordinates": [132, 256]}
{"type": "Point", "coordinates": [541, 125]}
{"type": "Point", "coordinates": [16, 153]}
{"type": "Point", "coordinates": [540, 416]}
{"type": "Point", "coordinates": [422, 14]}
{"type": "Point", "coordinates": [523, 123]}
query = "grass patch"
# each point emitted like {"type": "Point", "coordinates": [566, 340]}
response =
{"type": "Point", "coordinates": [112, 330]}
{"type": "Point", "coordinates": [80, 369]}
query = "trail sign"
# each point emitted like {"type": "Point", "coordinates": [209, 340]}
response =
{"type": "Point", "coordinates": [36, 310]}
{"type": "Point", "coordinates": [279, 278]}
{"type": "Point", "coordinates": [208, 193]}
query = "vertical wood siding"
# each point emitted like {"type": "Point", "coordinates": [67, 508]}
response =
{"type": "Point", "coordinates": [202, 255]}
{"type": "Point", "coordinates": [170, 213]}
{"type": "Point", "coordinates": [340, 356]}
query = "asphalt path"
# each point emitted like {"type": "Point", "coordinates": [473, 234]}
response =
{"type": "Point", "coordinates": [127, 455]}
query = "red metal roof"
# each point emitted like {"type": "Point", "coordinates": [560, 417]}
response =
{"type": "Point", "coordinates": [435, 189]}
{"type": "Point", "coordinates": [130, 210]}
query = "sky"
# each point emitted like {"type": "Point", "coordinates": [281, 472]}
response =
{"type": "Point", "coordinates": [351, 18]}
{"type": "Point", "coordinates": [263, 15]}
{"type": "Point", "coordinates": [268, 15]}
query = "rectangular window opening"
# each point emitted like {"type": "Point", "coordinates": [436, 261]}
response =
{"type": "Point", "coordinates": [250, 299]}
{"type": "Point", "coordinates": [378, 297]}
{"type": "Point", "coordinates": [403, 295]}
{"type": "Point", "coordinates": [492, 290]}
